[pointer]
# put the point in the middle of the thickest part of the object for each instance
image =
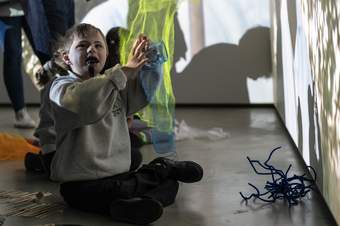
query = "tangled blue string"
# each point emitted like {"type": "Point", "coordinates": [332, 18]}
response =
{"type": "Point", "coordinates": [281, 186]}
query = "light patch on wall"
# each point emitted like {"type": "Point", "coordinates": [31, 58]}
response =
{"type": "Point", "coordinates": [109, 14]}
{"type": "Point", "coordinates": [224, 22]}
{"type": "Point", "coordinates": [311, 81]}
{"type": "Point", "coordinates": [288, 74]}
{"type": "Point", "coordinates": [260, 90]}
{"type": "Point", "coordinates": [303, 82]}
{"type": "Point", "coordinates": [182, 16]}
{"type": "Point", "coordinates": [323, 21]}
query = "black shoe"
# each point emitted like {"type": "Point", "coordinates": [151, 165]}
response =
{"type": "Point", "coordinates": [33, 163]}
{"type": "Point", "coordinates": [136, 210]}
{"type": "Point", "coordinates": [184, 171]}
{"type": "Point", "coordinates": [38, 163]}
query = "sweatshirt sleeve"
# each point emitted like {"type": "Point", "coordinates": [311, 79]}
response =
{"type": "Point", "coordinates": [141, 89]}
{"type": "Point", "coordinates": [45, 130]}
{"type": "Point", "coordinates": [91, 99]}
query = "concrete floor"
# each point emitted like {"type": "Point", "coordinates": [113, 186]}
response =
{"type": "Point", "coordinates": [215, 200]}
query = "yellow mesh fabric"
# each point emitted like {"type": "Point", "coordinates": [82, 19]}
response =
{"type": "Point", "coordinates": [154, 18]}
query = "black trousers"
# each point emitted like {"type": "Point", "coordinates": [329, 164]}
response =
{"type": "Point", "coordinates": [96, 195]}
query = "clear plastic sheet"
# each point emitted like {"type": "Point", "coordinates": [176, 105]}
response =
{"type": "Point", "coordinates": [185, 132]}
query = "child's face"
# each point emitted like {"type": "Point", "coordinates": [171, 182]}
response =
{"type": "Point", "coordinates": [87, 52]}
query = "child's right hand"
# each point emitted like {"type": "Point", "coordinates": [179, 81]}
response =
{"type": "Point", "coordinates": [137, 58]}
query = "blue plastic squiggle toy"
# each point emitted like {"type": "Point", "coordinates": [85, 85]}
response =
{"type": "Point", "coordinates": [283, 187]}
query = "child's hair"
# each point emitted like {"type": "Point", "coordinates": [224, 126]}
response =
{"type": "Point", "coordinates": [113, 39]}
{"type": "Point", "coordinates": [80, 30]}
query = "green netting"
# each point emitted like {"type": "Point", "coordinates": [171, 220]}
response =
{"type": "Point", "coordinates": [154, 18]}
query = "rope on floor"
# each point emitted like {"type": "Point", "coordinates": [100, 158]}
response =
{"type": "Point", "coordinates": [281, 186]}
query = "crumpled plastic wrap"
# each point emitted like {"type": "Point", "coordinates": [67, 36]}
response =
{"type": "Point", "coordinates": [185, 132]}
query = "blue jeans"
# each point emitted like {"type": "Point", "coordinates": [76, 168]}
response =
{"type": "Point", "coordinates": [60, 17]}
{"type": "Point", "coordinates": [12, 61]}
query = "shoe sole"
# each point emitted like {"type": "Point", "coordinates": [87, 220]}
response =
{"type": "Point", "coordinates": [141, 212]}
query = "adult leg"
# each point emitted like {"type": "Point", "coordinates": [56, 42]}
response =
{"type": "Point", "coordinates": [70, 12]}
{"type": "Point", "coordinates": [60, 17]}
{"type": "Point", "coordinates": [43, 57]}
{"type": "Point", "coordinates": [12, 62]}
{"type": "Point", "coordinates": [36, 29]}
{"type": "Point", "coordinates": [12, 71]}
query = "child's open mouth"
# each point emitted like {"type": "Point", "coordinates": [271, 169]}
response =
{"type": "Point", "coordinates": [91, 60]}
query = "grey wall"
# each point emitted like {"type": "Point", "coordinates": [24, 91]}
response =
{"type": "Point", "coordinates": [233, 65]}
{"type": "Point", "coordinates": [220, 72]}
{"type": "Point", "coordinates": [306, 58]}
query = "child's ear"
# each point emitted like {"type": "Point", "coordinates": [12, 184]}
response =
{"type": "Point", "coordinates": [66, 59]}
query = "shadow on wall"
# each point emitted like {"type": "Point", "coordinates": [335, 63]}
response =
{"type": "Point", "coordinates": [314, 142]}
{"type": "Point", "coordinates": [314, 128]}
{"type": "Point", "coordinates": [218, 73]}
{"type": "Point", "coordinates": [279, 90]}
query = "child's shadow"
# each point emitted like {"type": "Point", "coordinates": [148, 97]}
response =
{"type": "Point", "coordinates": [218, 73]}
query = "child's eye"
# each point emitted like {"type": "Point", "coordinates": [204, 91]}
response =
{"type": "Point", "coordinates": [99, 46]}
{"type": "Point", "coordinates": [81, 46]}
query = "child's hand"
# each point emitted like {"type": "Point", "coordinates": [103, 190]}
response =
{"type": "Point", "coordinates": [138, 57]}
{"type": "Point", "coordinates": [42, 77]}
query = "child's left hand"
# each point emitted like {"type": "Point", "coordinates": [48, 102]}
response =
{"type": "Point", "coordinates": [138, 53]}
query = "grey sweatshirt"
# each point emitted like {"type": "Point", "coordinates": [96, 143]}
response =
{"type": "Point", "coordinates": [45, 130]}
{"type": "Point", "coordinates": [90, 121]}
